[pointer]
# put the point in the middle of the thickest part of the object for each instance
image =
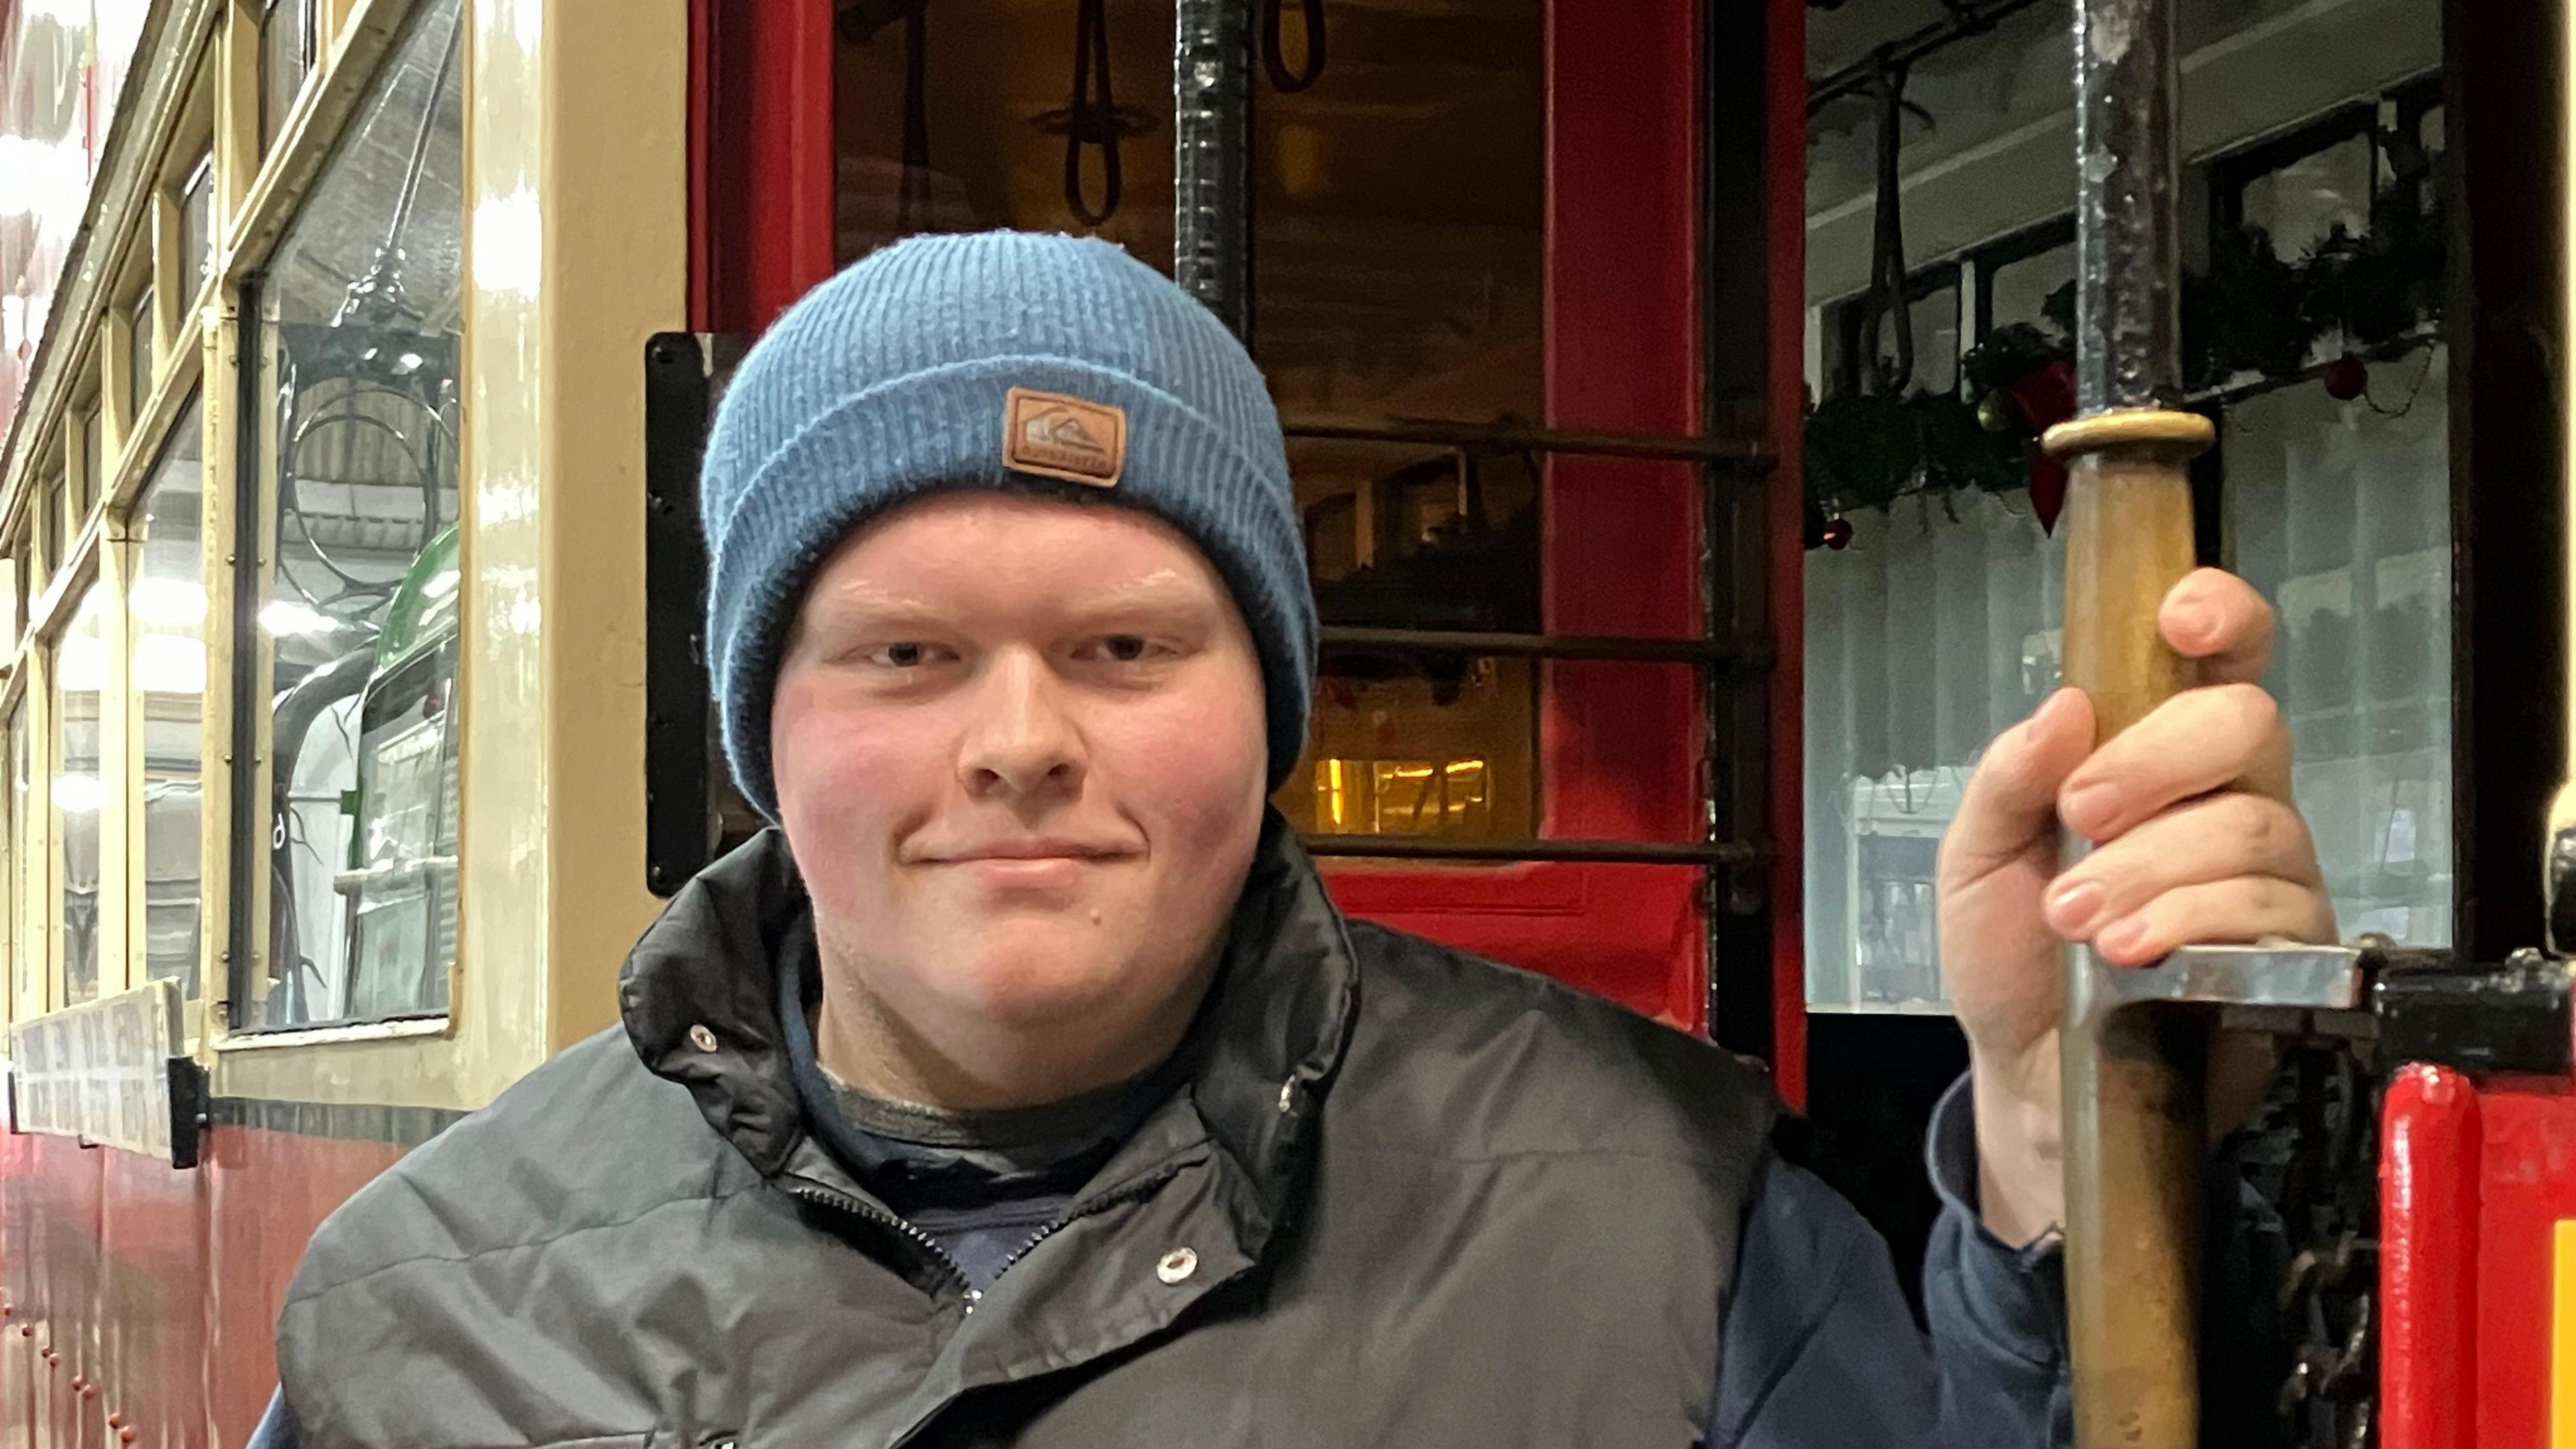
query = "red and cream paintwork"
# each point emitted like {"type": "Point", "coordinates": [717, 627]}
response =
{"type": "Point", "coordinates": [137, 1302]}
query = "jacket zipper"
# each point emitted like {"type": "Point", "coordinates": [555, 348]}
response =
{"type": "Point", "coordinates": [1143, 1187]}
{"type": "Point", "coordinates": [929, 1244]}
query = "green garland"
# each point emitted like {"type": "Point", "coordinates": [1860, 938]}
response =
{"type": "Point", "coordinates": [2249, 311]}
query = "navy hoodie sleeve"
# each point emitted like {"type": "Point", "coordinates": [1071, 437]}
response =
{"type": "Point", "coordinates": [1821, 1350]}
{"type": "Point", "coordinates": [1998, 1313]}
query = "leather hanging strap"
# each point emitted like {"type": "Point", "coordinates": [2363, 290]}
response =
{"type": "Point", "coordinates": [1274, 52]}
{"type": "Point", "coordinates": [1092, 118]}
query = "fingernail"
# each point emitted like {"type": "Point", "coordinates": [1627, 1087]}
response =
{"type": "Point", "coordinates": [2192, 621]}
{"type": "Point", "coordinates": [2073, 904]}
{"type": "Point", "coordinates": [2121, 938]}
{"type": "Point", "coordinates": [2090, 809]}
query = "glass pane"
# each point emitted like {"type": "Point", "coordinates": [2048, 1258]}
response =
{"type": "Point", "coordinates": [61, 522]}
{"type": "Point", "coordinates": [285, 58]}
{"type": "Point", "coordinates": [1934, 320]}
{"type": "Point", "coordinates": [359, 318]}
{"type": "Point", "coordinates": [1933, 631]}
{"type": "Point", "coordinates": [166, 617]}
{"type": "Point", "coordinates": [1399, 247]}
{"type": "Point", "coordinates": [2341, 515]}
{"type": "Point", "coordinates": [197, 222]}
{"type": "Point", "coordinates": [961, 118]}
{"type": "Point", "coordinates": [79, 791]}
{"type": "Point", "coordinates": [22, 830]}
{"type": "Point", "coordinates": [2018, 291]}
{"type": "Point", "coordinates": [93, 470]}
{"type": "Point", "coordinates": [2300, 204]}
{"type": "Point", "coordinates": [139, 360]}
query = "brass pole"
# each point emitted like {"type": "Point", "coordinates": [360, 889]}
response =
{"type": "Point", "coordinates": [2133, 1078]}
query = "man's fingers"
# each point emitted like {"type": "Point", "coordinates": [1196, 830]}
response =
{"type": "Point", "coordinates": [2247, 908]}
{"type": "Point", "coordinates": [2195, 742]}
{"type": "Point", "coordinates": [2217, 618]}
{"type": "Point", "coordinates": [2011, 800]}
{"type": "Point", "coordinates": [2220, 837]}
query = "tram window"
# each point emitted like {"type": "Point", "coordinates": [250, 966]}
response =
{"type": "Point", "coordinates": [2019, 292]}
{"type": "Point", "coordinates": [285, 59]}
{"type": "Point", "coordinates": [166, 614]}
{"type": "Point", "coordinates": [54, 502]}
{"type": "Point", "coordinates": [2302, 202]}
{"type": "Point", "coordinates": [959, 118]}
{"type": "Point", "coordinates": [79, 791]}
{"type": "Point", "coordinates": [1399, 252]}
{"type": "Point", "coordinates": [356, 325]}
{"type": "Point", "coordinates": [28, 990]}
{"type": "Point", "coordinates": [90, 479]}
{"type": "Point", "coordinates": [140, 358]}
{"type": "Point", "coordinates": [197, 222]}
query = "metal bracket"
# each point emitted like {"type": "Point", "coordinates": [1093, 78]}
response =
{"type": "Point", "coordinates": [191, 1110]}
{"type": "Point", "coordinates": [2418, 1005]}
{"type": "Point", "coordinates": [2311, 978]}
{"type": "Point", "coordinates": [683, 374]}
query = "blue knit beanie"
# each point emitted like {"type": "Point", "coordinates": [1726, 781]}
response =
{"type": "Point", "coordinates": [996, 360]}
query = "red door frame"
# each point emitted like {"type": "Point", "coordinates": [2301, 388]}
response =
{"type": "Point", "coordinates": [1622, 745]}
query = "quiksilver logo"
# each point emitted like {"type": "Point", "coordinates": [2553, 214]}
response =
{"type": "Point", "coordinates": [1056, 436]}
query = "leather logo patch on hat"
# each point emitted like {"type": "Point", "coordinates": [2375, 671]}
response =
{"type": "Point", "coordinates": [1071, 438]}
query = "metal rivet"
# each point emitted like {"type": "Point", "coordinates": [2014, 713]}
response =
{"type": "Point", "coordinates": [702, 1038]}
{"type": "Point", "coordinates": [1288, 1095]}
{"type": "Point", "coordinates": [1177, 1264]}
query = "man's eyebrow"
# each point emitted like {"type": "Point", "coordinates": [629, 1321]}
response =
{"type": "Point", "coordinates": [1161, 589]}
{"type": "Point", "coordinates": [862, 603]}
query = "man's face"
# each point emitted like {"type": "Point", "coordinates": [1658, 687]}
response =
{"type": "Point", "coordinates": [1020, 753]}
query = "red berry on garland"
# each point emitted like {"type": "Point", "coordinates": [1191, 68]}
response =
{"type": "Point", "coordinates": [2347, 377]}
{"type": "Point", "coordinates": [1838, 533]}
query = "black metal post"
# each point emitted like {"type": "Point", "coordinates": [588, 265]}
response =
{"type": "Point", "coordinates": [1212, 157]}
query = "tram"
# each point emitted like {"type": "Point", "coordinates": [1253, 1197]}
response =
{"type": "Point", "coordinates": [354, 356]}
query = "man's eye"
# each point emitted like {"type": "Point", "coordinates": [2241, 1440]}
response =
{"type": "Point", "coordinates": [901, 656]}
{"type": "Point", "coordinates": [1126, 648]}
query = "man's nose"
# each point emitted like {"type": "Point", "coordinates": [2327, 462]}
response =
{"type": "Point", "coordinates": [1021, 741]}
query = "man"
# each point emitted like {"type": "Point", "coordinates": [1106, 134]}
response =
{"type": "Point", "coordinates": [1025, 1087]}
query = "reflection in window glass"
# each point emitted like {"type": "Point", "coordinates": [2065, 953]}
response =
{"type": "Point", "coordinates": [2340, 514]}
{"type": "Point", "coordinates": [285, 59]}
{"type": "Point", "coordinates": [139, 358]}
{"type": "Point", "coordinates": [60, 522]}
{"type": "Point", "coordinates": [2301, 203]}
{"type": "Point", "coordinates": [79, 791]}
{"type": "Point", "coordinates": [358, 317]}
{"type": "Point", "coordinates": [1934, 320]}
{"type": "Point", "coordinates": [166, 616]}
{"type": "Point", "coordinates": [93, 464]}
{"type": "Point", "coordinates": [1936, 629]}
{"type": "Point", "coordinates": [197, 222]}
{"type": "Point", "coordinates": [25, 944]}
{"type": "Point", "coordinates": [2018, 291]}
{"type": "Point", "coordinates": [1399, 251]}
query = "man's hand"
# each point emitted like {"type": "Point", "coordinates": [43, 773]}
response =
{"type": "Point", "coordinates": [2196, 842]}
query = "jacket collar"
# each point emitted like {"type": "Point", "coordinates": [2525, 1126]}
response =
{"type": "Point", "coordinates": [700, 1001]}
